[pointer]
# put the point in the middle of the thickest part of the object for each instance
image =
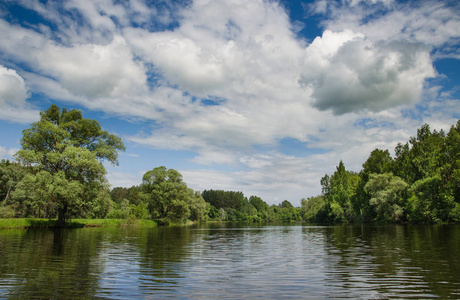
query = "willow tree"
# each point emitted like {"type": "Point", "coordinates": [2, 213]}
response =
{"type": "Point", "coordinates": [65, 152]}
{"type": "Point", "coordinates": [387, 196]}
{"type": "Point", "coordinates": [169, 198]}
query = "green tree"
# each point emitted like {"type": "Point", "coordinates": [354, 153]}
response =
{"type": "Point", "coordinates": [339, 190]}
{"type": "Point", "coordinates": [65, 149]}
{"type": "Point", "coordinates": [386, 192]}
{"type": "Point", "coordinates": [132, 194]}
{"type": "Point", "coordinates": [378, 162]}
{"type": "Point", "coordinates": [313, 209]}
{"type": "Point", "coordinates": [286, 204]}
{"type": "Point", "coordinates": [430, 201]}
{"type": "Point", "coordinates": [225, 199]}
{"type": "Point", "coordinates": [258, 203]}
{"type": "Point", "coordinates": [118, 194]}
{"type": "Point", "coordinates": [11, 174]}
{"type": "Point", "coordinates": [169, 197]}
{"type": "Point", "coordinates": [421, 157]}
{"type": "Point", "coordinates": [450, 171]}
{"type": "Point", "coordinates": [199, 208]}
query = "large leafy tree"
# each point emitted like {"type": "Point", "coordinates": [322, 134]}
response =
{"type": "Point", "coordinates": [259, 204]}
{"type": "Point", "coordinates": [387, 198]}
{"type": "Point", "coordinates": [313, 209]}
{"type": "Point", "coordinates": [66, 152]}
{"type": "Point", "coordinates": [420, 157]}
{"type": "Point", "coordinates": [378, 162]}
{"type": "Point", "coordinates": [339, 191]}
{"type": "Point", "coordinates": [169, 197]}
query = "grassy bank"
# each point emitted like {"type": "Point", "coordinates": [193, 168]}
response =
{"type": "Point", "coordinates": [21, 223]}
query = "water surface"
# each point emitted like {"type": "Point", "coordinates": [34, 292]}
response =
{"type": "Point", "coordinates": [232, 261]}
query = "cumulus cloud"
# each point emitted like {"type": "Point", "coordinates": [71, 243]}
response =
{"type": "Point", "coordinates": [181, 60]}
{"type": "Point", "coordinates": [23, 44]}
{"type": "Point", "coordinates": [348, 72]}
{"type": "Point", "coordinates": [95, 71]}
{"type": "Point", "coordinates": [13, 89]}
{"type": "Point", "coordinates": [248, 59]}
{"type": "Point", "coordinates": [13, 95]}
{"type": "Point", "coordinates": [248, 40]}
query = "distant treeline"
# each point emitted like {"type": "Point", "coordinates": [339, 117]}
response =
{"type": "Point", "coordinates": [58, 173]}
{"type": "Point", "coordinates": [218, 205]}
{"type": "Point", "coordinates": [421, 184]}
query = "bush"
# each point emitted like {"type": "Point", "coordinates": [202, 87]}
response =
{"type": "Point", "coordinates": [118, 214]}
{"type": "Point", "coordinates": [7, 212]}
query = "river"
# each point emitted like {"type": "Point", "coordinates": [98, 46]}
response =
{"type": "Point", "coordinates": [217, 261]}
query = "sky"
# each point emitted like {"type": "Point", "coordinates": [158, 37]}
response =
{"type": "Point", "coordinates": [263, 97]}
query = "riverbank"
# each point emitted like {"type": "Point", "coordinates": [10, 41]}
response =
{"type": "Point", "coordinates": [26, 223]}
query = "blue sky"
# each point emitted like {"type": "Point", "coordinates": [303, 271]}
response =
{"type": "Point", "coordinates": [263, 97]}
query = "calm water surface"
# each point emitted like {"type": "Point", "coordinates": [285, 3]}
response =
{"type": "Point", "coordinates": [224, 261]}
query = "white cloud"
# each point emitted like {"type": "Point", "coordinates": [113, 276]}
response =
{"type": "Point", "coordinates": [121, 179]}
{"type": "Point", "coordinates": [95, 71]}
{"type": "Point", "coordinates": [248, 40]}
{"type": "Point", "coordinates": [7, 153]}
{"type": "Point", "coordinates": [13, 95]}
{"type": "Point", "coordinates": [348, 72]}
{"type": "Point", "coordinates": [248, 58]}
{"type": "Point", "coordinates": [13, 89]}
{"type": "Point", "coordinates": [23, 44]}
{"type": "Point", "coordinates": [433, 23]}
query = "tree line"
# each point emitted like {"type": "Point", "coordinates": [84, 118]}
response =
{"type": "Point", "coordinates": [165, 203]}
{"type": "Point", "coordinates": [421, 184]}
{"type": "Point", "coordinates": [58, 173]}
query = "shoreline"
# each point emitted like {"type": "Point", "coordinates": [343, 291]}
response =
{"type": "Point", "coordinates": [36, 223]}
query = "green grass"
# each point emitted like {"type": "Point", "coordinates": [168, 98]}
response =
{"type": "Point", "coordinates": [20, 223]}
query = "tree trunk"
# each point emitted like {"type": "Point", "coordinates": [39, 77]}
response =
{"type": "Point", "coordinates": [62, 211]}
{"type": "Point", "coordinates": [7, 194]}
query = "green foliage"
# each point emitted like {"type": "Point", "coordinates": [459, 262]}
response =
{"type": "Point", "coordinates": [422, 184]}
{"type": "Point", "coordinates": [286, 204]}
{"type": "Point", "coordinates": [420, 157]}
{"type": "Point", "coordinates": [314, 209]}
{"type": "Point", "coordinates": [199, 208]}
{"type": "Point", "coordinates": [430, 201]}
{"type": "Point", "coordinates": [132, 194]}
{"type": "Point", "coordinates": [22, 223]}
{"type": "Point", "coordinates": [450, 169]}
{"type": "Point", "coordinates": [252, 210]}
{"type": "Point", "coordinates": [339, 191]}
{"type": "Point", "coordinates": [225, 199]}
{"type": "Point", "coordinates": [64, 152]}
{"type": "Point", "coordinates": [169, 198]}
{"type": "Point", "coordinates": [379, 162]}
{"type": "Point", "coordinates": [289, 214]}
{"type": "Point", "coordinates": [386, 191]}
{"type": "Point", "coordinates": [259, 204]}
{"type": "Point", "coordinates": [11, 174]}
{"type": "Point", "coordinates": [7, 211]}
